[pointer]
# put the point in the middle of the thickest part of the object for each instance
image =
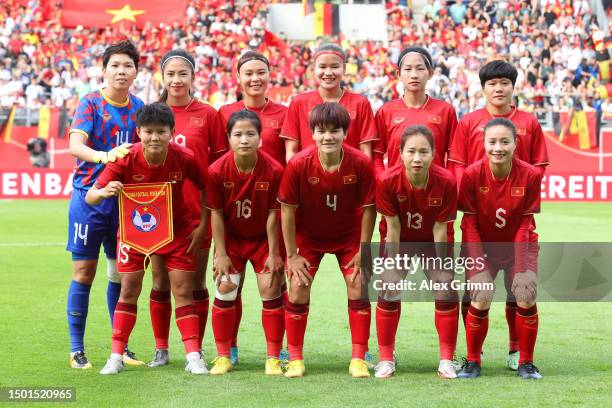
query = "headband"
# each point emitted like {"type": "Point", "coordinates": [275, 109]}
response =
{"type": "Point", "coordinates": [427, 62]}
{"type": "Point", "coordinates": [337, 53]}
{"type": "Point", "coordinates": [178, 56]}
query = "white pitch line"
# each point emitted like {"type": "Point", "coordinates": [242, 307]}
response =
{"type": "Point", "coordinates": [30, 244]}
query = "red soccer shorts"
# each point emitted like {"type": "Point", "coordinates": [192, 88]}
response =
{"type": "Point", "coordinates": [241, 250]}
{"type": "Point", "coordinates": [313, 251]}
{"type": "Point", "coordinates": [174, 254]}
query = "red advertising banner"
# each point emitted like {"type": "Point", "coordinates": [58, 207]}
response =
{"type": "Point", "coordinates": [145, 216]}
{"type": "Point", "coordinates": [35, 183]}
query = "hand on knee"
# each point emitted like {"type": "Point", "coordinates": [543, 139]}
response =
{"type": "Point", "coordinates": [227, 288]}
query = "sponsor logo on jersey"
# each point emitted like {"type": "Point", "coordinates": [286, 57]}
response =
{"type": "Point", "coordinates": [313, 180]}
{"type": "Point", "coordinates": [435, 201]}
{"type": "Point", "coordinates": [517, 191]}
{"type": "Point", "coordinates": [350, 179]}
{"type": "Point", "coordinates": [398, 119]}
{"type": "Point", "coordinates": [352, 114]}
{"type": "Point", "coordinates": [401, 198]}
{"type": "Point", "coordinates": [262, 185]}
{"type": "Point", "coordinates": [145, 217]}
{"type": "Point", "coordinates": [176, 176]}
{"type": "Point", "coordinates": [437, 119]}
{"type": "Point", "coordinates": [521, 131]}
{"type": "Point", "coordinates": [228, 184]}
{"type": "Point", "coordinates": [196, 121]}
{"type": "Point", "coordinates": [484, 190]}
{"type": "Point", "coordinates": [271, 123]}
{"type": "Point", "coordinates": [138, 177]}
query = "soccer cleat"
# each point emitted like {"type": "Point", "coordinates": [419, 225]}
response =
{"type": "Point", "coordinates": [161, 358]}
{"type": "Point", "coordinates": [284, 357]}
{"type": "Point", "coordinates": [358, 368]}
{"type": "Point", "coordinates": [447, 369]}
{"type": "Point", "coordinates": [470, 369]}
{"type": "Point", "coordinates": [273, 367]}
{"type": "Point", "coordinates": [527, 371]}
{"type": "Point", "coordinates": [78, 359]}
{"type": "Point", "coordinates": [221, 365]}
{"type": "Point", "coordinates": [234, 355]}
{"type": "Point", "coordinates": [295, 368]}
{"type": "Point", "coordinates": [194, 363]}
{"type": "Point", "coordinates": [512, 361]}
{"type": "Point", "coordinates": [384, 369]}
{"type": "Point", "coordinates": [114, 365]}
{"type": "Point", "coordinates": [129, 358]}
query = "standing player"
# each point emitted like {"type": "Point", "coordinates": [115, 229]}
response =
{"type": "Point", "coordinates": [499, 195]}
{"type": "Point", "coordinates": [333, 184]}
{"type": "Point", "coordinates": [415, 107]}
{"type": "Point", "coordinates": [242, 189]}
{"type": "Point", "coordinates": [253, 74]}
{"type": "Point", "coordinates": [156, 160]}
{"type": "Point", "coordinates": [197, 129]}
{"type": "Point", "coordinates": [328, 70]}
{"type": "Point", "coordinates": [417, 199]}
{"type": "Point", "coordinates": [497, 79]}
{"type": "Point", "coordinates": [102, 130]}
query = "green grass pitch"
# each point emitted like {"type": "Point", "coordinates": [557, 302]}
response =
{"type": "Point", "coordinates": [573, 350]}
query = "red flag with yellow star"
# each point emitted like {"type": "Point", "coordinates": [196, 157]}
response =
{"type": "Point", "coordinates": [101, 13]}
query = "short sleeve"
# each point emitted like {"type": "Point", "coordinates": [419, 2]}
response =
{"type": "Point", "coordinates": [539, 154]}
{"type": "Point", "coordinates": [291, 125]}
{"type": "Point", "coordinates": [532, 195]}
{"type": "Point", "coordinates": [380, 146]}
{"type": "Point", "coordinates": [384, 198]}
{"type": "Point", "coordinates": [289, 191]}
{"type": "Point", "coordinates": [83, 120]}
{"type": "Point", "coordinates": [194, 173]}
{"type": "Point", "coordinates": [368, 128]}
{"type": "Point", "coordinates": [214, 192]}
{"type": "Point", "coordinates": [467, 196]}
{"type": "Point", "coordinates": [274, 189]}
{"type": "Point", "coordinates": [367, 187]}
{"type": "Point", "coordinates": [111, 172]}
{"type": "Point", "coordinates": [459, 144]}
{"type": "Point", "coordinates": [217, 137]}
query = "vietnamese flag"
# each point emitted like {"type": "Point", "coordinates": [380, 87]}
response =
{"type": "Point", "coordinates": [102, 13]}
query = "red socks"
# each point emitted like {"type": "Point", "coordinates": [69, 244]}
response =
{"type": "Point", "coordinates": [160, 307]}
{"type": "Point", "coordinates": [476, 327]}
{"type": "Point", "coordinates": [296, 318]}
{"type": "Point", "coordinates": [446, 320]}
{"type": "Point", "coordinates": [123, 322]}
{"type": "Point", "coordinates": [273, 321]}
{"type": "Point", "coordinates": [387, 319]}
{"type": "Point", "coordinates": [511, 319]}
{"type": "Point", "coordinates": [223, 321]}
{"type": "Point", "coordinates": [187, 322]}
{"type": "Point", "coordinates": [360, 315]}
{"type": "Point", "coordinates": [238, 312]}
{"type": "Point", "coordinates": [201, 301]}
{"type": "Point", "coordinates": [527, 331]}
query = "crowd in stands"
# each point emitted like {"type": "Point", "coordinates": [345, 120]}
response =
{"type": "Point", "coordinates": [550, 42]}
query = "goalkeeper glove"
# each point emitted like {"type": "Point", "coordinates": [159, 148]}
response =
{"type": "Point", "coordinates": [113, 154]}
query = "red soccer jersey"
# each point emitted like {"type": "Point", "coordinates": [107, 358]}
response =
{"type": "Point", "coordinates": [245, 199]}
{"type": "Point", "coordinates": [467, 145]}
{"type": "Point", "coordinates": [272, 116]}
{"type": "Point", "coordinates": [395, 116]}
{"type": "Point", "coordinates": [329, 204]}
{"type": "Point", "coordinates": [180, 165]}
{"type": "Point", "coordinates": [198, 129]}
{"type": "Point", "coordinates": [499, 205]}
{"type": "Point", "coordinates": [361, 128]}
{"type": "Point", "coordinates": [418, 209]}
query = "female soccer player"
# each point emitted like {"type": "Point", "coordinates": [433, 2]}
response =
{"type": "Point", "coordinates": [241, 194]}
{"type": "Point", "coordinates": [415, 107]}
{"type": "Point", "coordinates": [329, 61]}
{"type": "Point", "coordinates": [197, 129]}
{"type": "Point", "coordinates": [253, 74]}
{"type": "Point", "coordinates": [332, 183]}
{"type": "Point", "coordinates": [417, 199]}
{"type": "Point", "coordinates": [499, 195]}
{"type": "Point", "coordinates": [497, 79]}
{"type": "Point", "coordinates": [156, 160]}
{"type": "Point", "coordinates": [102, 131]}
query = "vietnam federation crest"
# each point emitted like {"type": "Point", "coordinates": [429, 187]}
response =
{"type": "Point", "coordinates": [145, 218]}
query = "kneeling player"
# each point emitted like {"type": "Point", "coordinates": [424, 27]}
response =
{"type": "Point", "coordinates": [242, 188]}
{"type": "Point", "coordinates": [155, 160]}
{"type": "Point", "coordinates": [417, 199]}
{"type": "Point", "coordinates": [327, 197]}
{"type": "Point", "coordinates": [499, 195]}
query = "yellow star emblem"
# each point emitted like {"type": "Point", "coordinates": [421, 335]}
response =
{"type": "Point", "coordinates": [145, 209]}
{"type": "Point", "coordinates": [125, 13]}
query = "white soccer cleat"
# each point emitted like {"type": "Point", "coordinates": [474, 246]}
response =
{"type": "Point", "coordinates": [512, 361]}
{"type": "Point", "coordinates": [114, 365]}
{"type": "Point", "coordinates": [384, 369]}
{"type": "Point", "coordinates": [447, 369]}
{"type": "Point", "coordinates": [195, 364]}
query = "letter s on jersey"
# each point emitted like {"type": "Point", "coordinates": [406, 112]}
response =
{"type": "Point", "coordinates": [499, 215]}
